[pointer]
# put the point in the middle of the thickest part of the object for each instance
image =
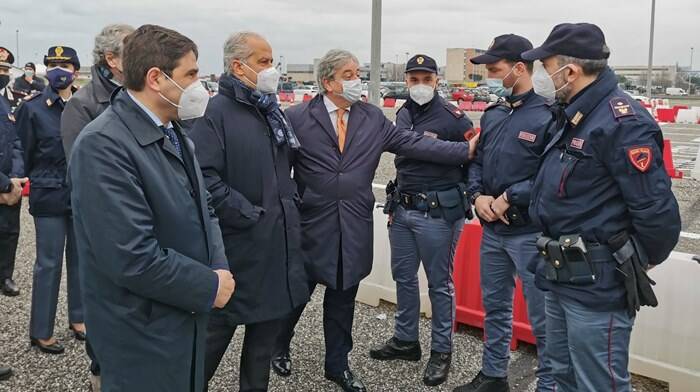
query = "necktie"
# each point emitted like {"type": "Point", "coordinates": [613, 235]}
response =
{"type": "Point", "coordinates": [170, 133]}
{"type": "Point", "coordinates": [342, 128]}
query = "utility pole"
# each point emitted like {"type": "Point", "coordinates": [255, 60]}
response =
{"type": "Point", "coordinates": [17, 42]}
{"type": "Point", "coordinates": [651, 48]}
{"type": "Point", "coordinates": [375, 59]}
{"type": "Point", "coordinates": [690, 70]}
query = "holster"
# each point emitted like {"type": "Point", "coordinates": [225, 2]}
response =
{"type": "Point", "coordinates": [567, 260]}
{"type": "Point", "coordinates": [516, 217]}
{"type": "Point", "coordinates": [392, 198]}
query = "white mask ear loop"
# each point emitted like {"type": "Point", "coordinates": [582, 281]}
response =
{"type": "Point", "coordinates": [176, 85]}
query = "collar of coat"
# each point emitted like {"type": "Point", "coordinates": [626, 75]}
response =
{"type": "Point", "coordinates": [232, 88]}
{"type": "Point", "coordinates": [587, 99]}
{"type": "Point", "coordinates": [102, 87]}
{"type": "Point", "coordinates": [138, 122]}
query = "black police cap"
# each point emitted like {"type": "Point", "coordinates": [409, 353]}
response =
{"type": "Point", "coordinates": [30, 65]}
{"type": "Point", "coordinates": [421, 62]}
{"type": "Point", "coordinates": [581, 40]}
{"type": "Point", "coordinates": [6, 56]}
{"type": "Point", "coordinates": [504, 47]}
{"type": "Point", "coordinates": [62, 54]}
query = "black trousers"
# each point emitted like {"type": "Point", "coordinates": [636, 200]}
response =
{"type": "Point", "coordinates": [9, 237]}
{"type": "Point", "coordinates": [338, 316]}
{"type": "Point", "coordinates": [256, 353]}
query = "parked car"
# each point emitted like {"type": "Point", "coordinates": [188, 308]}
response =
{"type": "Point", "coordinates": [306, 89]}
{"type": "Point", "coordinates": [211, 87]}
{"type": "Point", "coordinates": [675, 91]}
{"type": "Point", "coordinates": [461, 95]}
{"type": "Point", "coordinates": [397, 93]}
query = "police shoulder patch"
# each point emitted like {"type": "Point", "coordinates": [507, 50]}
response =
{"type": "Point", "coordinates": [454, 110]}
{"type": "Point", "coordinates": [640, 157]}
{"type": "Point", "coordinates": [621, 107]}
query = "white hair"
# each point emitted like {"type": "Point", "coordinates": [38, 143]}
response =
{"type": "Point", "coordinates": [237, 47]}
{"type": "Point", "coordinates": [330, 63]}
{"type": "Point", "coordinates": [110, 39]}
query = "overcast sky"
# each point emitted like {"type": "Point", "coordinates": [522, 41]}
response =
{"type": "Point", "coordinates": [301, 30]}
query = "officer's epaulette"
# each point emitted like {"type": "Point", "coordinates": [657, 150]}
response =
{"type": "Point", "coordinates": [497, 104]}
{"type": "Point", "coordinates": [31, 96]}
{"type": "Point", "coordinates": [621, 107]}
{"type": "Point", "coordinates": [454, 110]}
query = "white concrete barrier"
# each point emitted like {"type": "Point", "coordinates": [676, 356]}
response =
{"type": "Point", "coordinates": [666, 340]}
{"type": "Point", "coordinates": [380, 285]}
{"type": "Point", "coordinates": [687, 116]}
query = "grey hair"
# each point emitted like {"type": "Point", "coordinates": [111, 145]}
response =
{"type": "Point", "coordinates": [236, 47]}
{"type": "Point", "coordinates": [329, 64]}
{"type": "Point", "coordinates": [590, 67]}
{"type": "Point", "coordinates": [110, 39]}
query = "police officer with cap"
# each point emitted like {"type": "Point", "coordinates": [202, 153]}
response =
{"type": "Point", "coordinates": [427, 210]}
{"type": "Point", "coordinates": [11, 171]}
{"type": "Point", "coordinates": [38, 125]}
{"type": "Point", "coordinates": [6, 60]}
{"type": "Point", "coordinates": [514, 134]}
{"type": "Point", "coordinates": [11, 182]}
{"type": "Point", "coordinates": [29, 82]}
{"type": "Point", "coordinates": [604, 203]}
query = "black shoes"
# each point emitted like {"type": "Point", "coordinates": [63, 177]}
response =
{"type": "Point", "coordinates": [282, 364]}
{"type": "Point", "coordinates": [347, 381]}
{"type": "Point", "coordinates": [79, 335]}
{"type": "Point", "coordinates": [9, 288]}
{"type": "Point", "coordinates": [5, 373]}
{"type": "Point", "coordinates": [55, 348]}
{"type": "Point", "coordinates": [438, 368]}
{"type": "Point", "coordinates": [484, 383]}
{"type": "Point", "coordinates": [396, 349]}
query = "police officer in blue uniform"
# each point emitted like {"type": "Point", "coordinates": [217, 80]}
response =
{"type": "Point", "coordinates": [38, 124]}
{"type": "Point", "coordinates": [11, 181]}
{"type": "Point", "coordinates": [11, 171]}
{"type": "Point", "coordinates": [604, 202]}
{"type": "Point", "coordinates": [514, 134]}
{"type": "Point", "coordinates": [427, 209]}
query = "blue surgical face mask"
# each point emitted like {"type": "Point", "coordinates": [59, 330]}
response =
{"type": "Point", "coordinates": [59, 78]}
{"type": "Point", "coordinates": [495, 85]}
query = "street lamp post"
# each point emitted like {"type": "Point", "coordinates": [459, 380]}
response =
{"type": "Point", "coordinates": [690, 70]}
{"type": "Point", "coordinates": [17, 42]}
{"type": "Point", "coordinates": [651, 48]}
{"type": "Point", "coordinates": [376, 48]}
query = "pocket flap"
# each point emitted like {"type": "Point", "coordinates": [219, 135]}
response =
{"type": "Point", "coordinates": [450, 198]}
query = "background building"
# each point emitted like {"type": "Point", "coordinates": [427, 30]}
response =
{"type": "Point", "coordinates": [460, 70]}
{"type": "Point", "coordinates": [301, 72]}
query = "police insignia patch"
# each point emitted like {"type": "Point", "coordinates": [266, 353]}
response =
{"type": "Point", "coordinates": [420, 60]}
{"type": "Point", "coordinates": [621, 107]}
{"type": "Point", "coordinates": [640, 158]}
{"type": "Point", "coordinates": [577, 143]}
{"type": "Point", "coordinates": [527, 136]}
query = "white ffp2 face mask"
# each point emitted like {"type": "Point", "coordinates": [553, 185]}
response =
{"type": "Point", "coordinates": [268, 79]}
{"type": "Point", "coordinates": [193, 100]}
{"type": "Point", "coordinates": [421, 93]}
{"type": "Point", "coordinates": [352, 90]}
{"type": "Point", "coordinates": [543, 84]}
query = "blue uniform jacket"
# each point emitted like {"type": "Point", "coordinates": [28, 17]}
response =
{"type": "Point", "coordinates": [603, 173]}
{"type": "Point", "coordinates": [39, 128]}
{"type": "Point", "coordinates": [437, 119]}
{"type": "Point", "coordinates": [513, 137]}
